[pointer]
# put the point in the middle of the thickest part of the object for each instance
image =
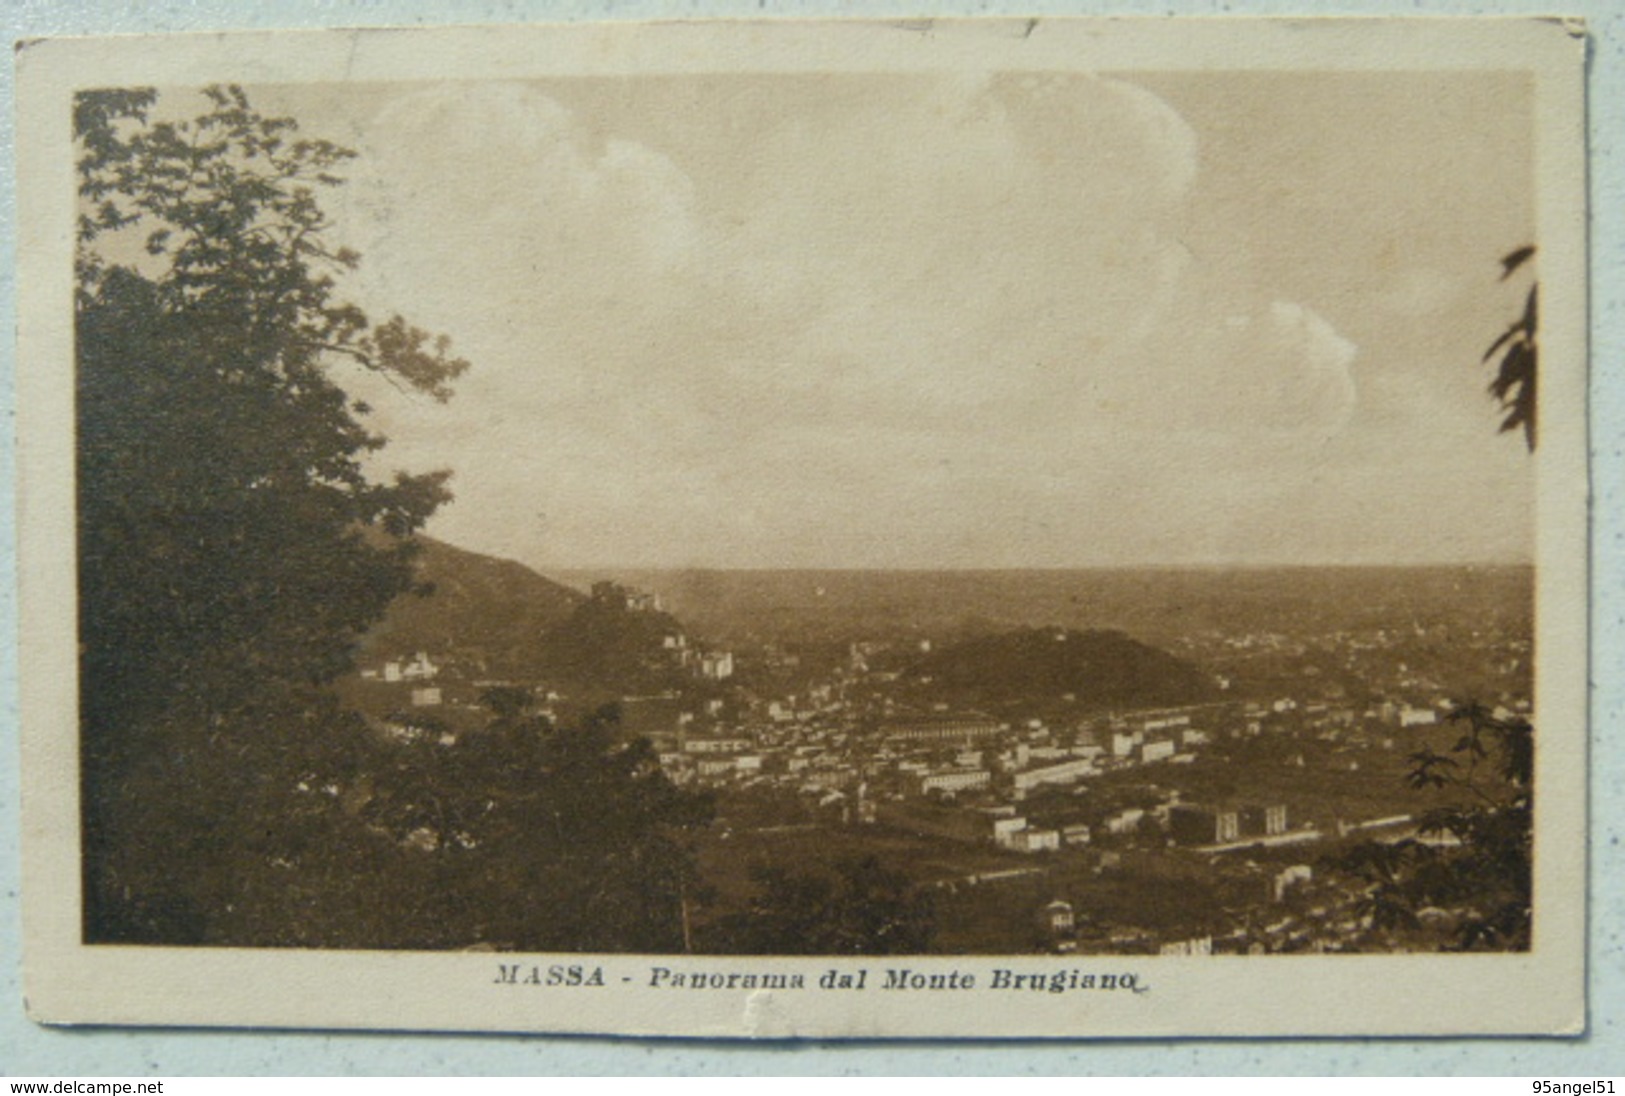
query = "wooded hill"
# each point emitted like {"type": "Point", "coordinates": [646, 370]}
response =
{"type": "Point", "coordinates": [1100, 669]}
{"type": "Point", "coordinates": [486, 611]}
{"type": "Point", "coordinates": [500, 619]}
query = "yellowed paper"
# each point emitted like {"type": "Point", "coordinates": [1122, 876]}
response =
{"type": "Point", "coordinates": [1018, 500]}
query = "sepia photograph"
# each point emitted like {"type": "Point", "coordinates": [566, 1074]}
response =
{"type": "Point", "coordinates": [998, 527]}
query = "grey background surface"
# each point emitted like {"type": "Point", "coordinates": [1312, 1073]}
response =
{"type": "Point", "coordinates": [27, 1049]}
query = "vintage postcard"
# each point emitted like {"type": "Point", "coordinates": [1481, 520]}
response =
{"type": "Point", "coordinates": [996, 528]}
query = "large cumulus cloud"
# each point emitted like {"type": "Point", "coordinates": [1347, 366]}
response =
{"type": "Point", "coordinates": [906, 320]}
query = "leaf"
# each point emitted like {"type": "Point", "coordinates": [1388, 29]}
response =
{"type": "Point", "coordinates": [1516, 370]}
{"type": "Point", "coordinates": [1512, 332]}
{"type": "Point", "coordinates": [1514, 259]}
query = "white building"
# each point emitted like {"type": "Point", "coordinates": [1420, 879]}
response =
{"type": "Point", "coordinates": [698, 745]}
{"type": "Point", "coordinates": [1005, 830]}
{"type": "Point", "coordinates": [1125, 821]}
{"type": "Point", "coordinates": [1157, 751]}
{"type": "Point", "coordinates": [1037, 841]}
{"type": "Point", "coordinates": [1066, 772]}
{"type": "Point", "coordinates": [416, 668]}
{"type": "Point", "coordinates": [1075, 834]}
{"type": "Point", "coordinates": [954, 780]}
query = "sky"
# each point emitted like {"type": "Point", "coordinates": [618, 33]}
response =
{"type": "Point", "coordinates": [972, 320]}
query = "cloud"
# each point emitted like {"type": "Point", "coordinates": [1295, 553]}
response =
{"type": "Point", "coordinates": [482, 202]}
{"type": "Point", "coordinates": [553, 255]}
{"type": "Point", "coordinates": [1308, 382]}
{"type": "Point", "coordinates": [932, 244]}
{"type": "Point", "coordinates": [944, 320]}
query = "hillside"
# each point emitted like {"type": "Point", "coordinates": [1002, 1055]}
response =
{"type": "Point", "coordinates": [489, 617]}
{"type": "Point", "coordinates": [605, 645]}
{"type": "Point", "coordinates": [492, 613]}
{"type": "Point", "coordinates": [1101, 669]}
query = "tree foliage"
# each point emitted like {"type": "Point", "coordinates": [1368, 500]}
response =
{"type": "Point", "coordinates": [520, 836]}
{"type": "Point", "coordinates": [858, 907]}
{"type": "Point", "coordinates": [230, 536]}
{"type": "Point", "coordinates": [232, 547]}
{"type": "Point", "coordinates": [1516, 352]}
{"type": "Point", "coordinates": [1470, 860]}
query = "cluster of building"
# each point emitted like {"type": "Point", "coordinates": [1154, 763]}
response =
{"type": "Point", "coordinates": [852, 747]}
{"type": "Point", "coordinates": [626, 598]}
{"type": "Point", "coordinates": [416, 673]}
{"type": "Point", "coordinates": [416, 667]}
{"type": "Point", "coordinates": [965, 775]}
{"type": "Point", "coordinates": [1031, 782]}
{"type": "Point", "coordinates": [860, 746]}
{"type": "Point", "coordinates": [712, 665]}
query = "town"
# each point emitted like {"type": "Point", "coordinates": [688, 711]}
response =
{"type": "Point", "coordinates": [1041, 822]}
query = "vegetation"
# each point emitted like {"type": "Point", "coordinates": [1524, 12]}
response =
{"type": "Point", "coordinates": [1099, 668]}
{"type": "Point", "coordinates": [231, 543]}
{"type": "Point", "coordinates": [1470, 865]}
{"type": "Point", "coordinates": [1518, 350]}
{"type": "Point", "coordinates": [233, 552]}
{"type": "Point", "coordinates": [603, 644]}
{"type": "Point", "coordinates": [523, 837]}
{"type": "Point", "coordinates": [494, 614]}
{"type": "Point", "coordinates": [232, 549]}
{"type": "Point", "coordinates": [856, 907]}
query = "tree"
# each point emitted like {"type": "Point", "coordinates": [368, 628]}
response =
{"type": "Point", "coordinates": [519, 836]}
{"type": "Point", "coordinates": [858, 908]}
{"type": "Point", "coordinates": [234, 550]}
{"type": "Point", "coordinates": [1518, 347]}
{"type": "Point", "coordinates": [1471, 859]}
{"type": "Point", "coordinates": [232, 547]}
{"type": "Point", "coordinates": [587, 833]}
